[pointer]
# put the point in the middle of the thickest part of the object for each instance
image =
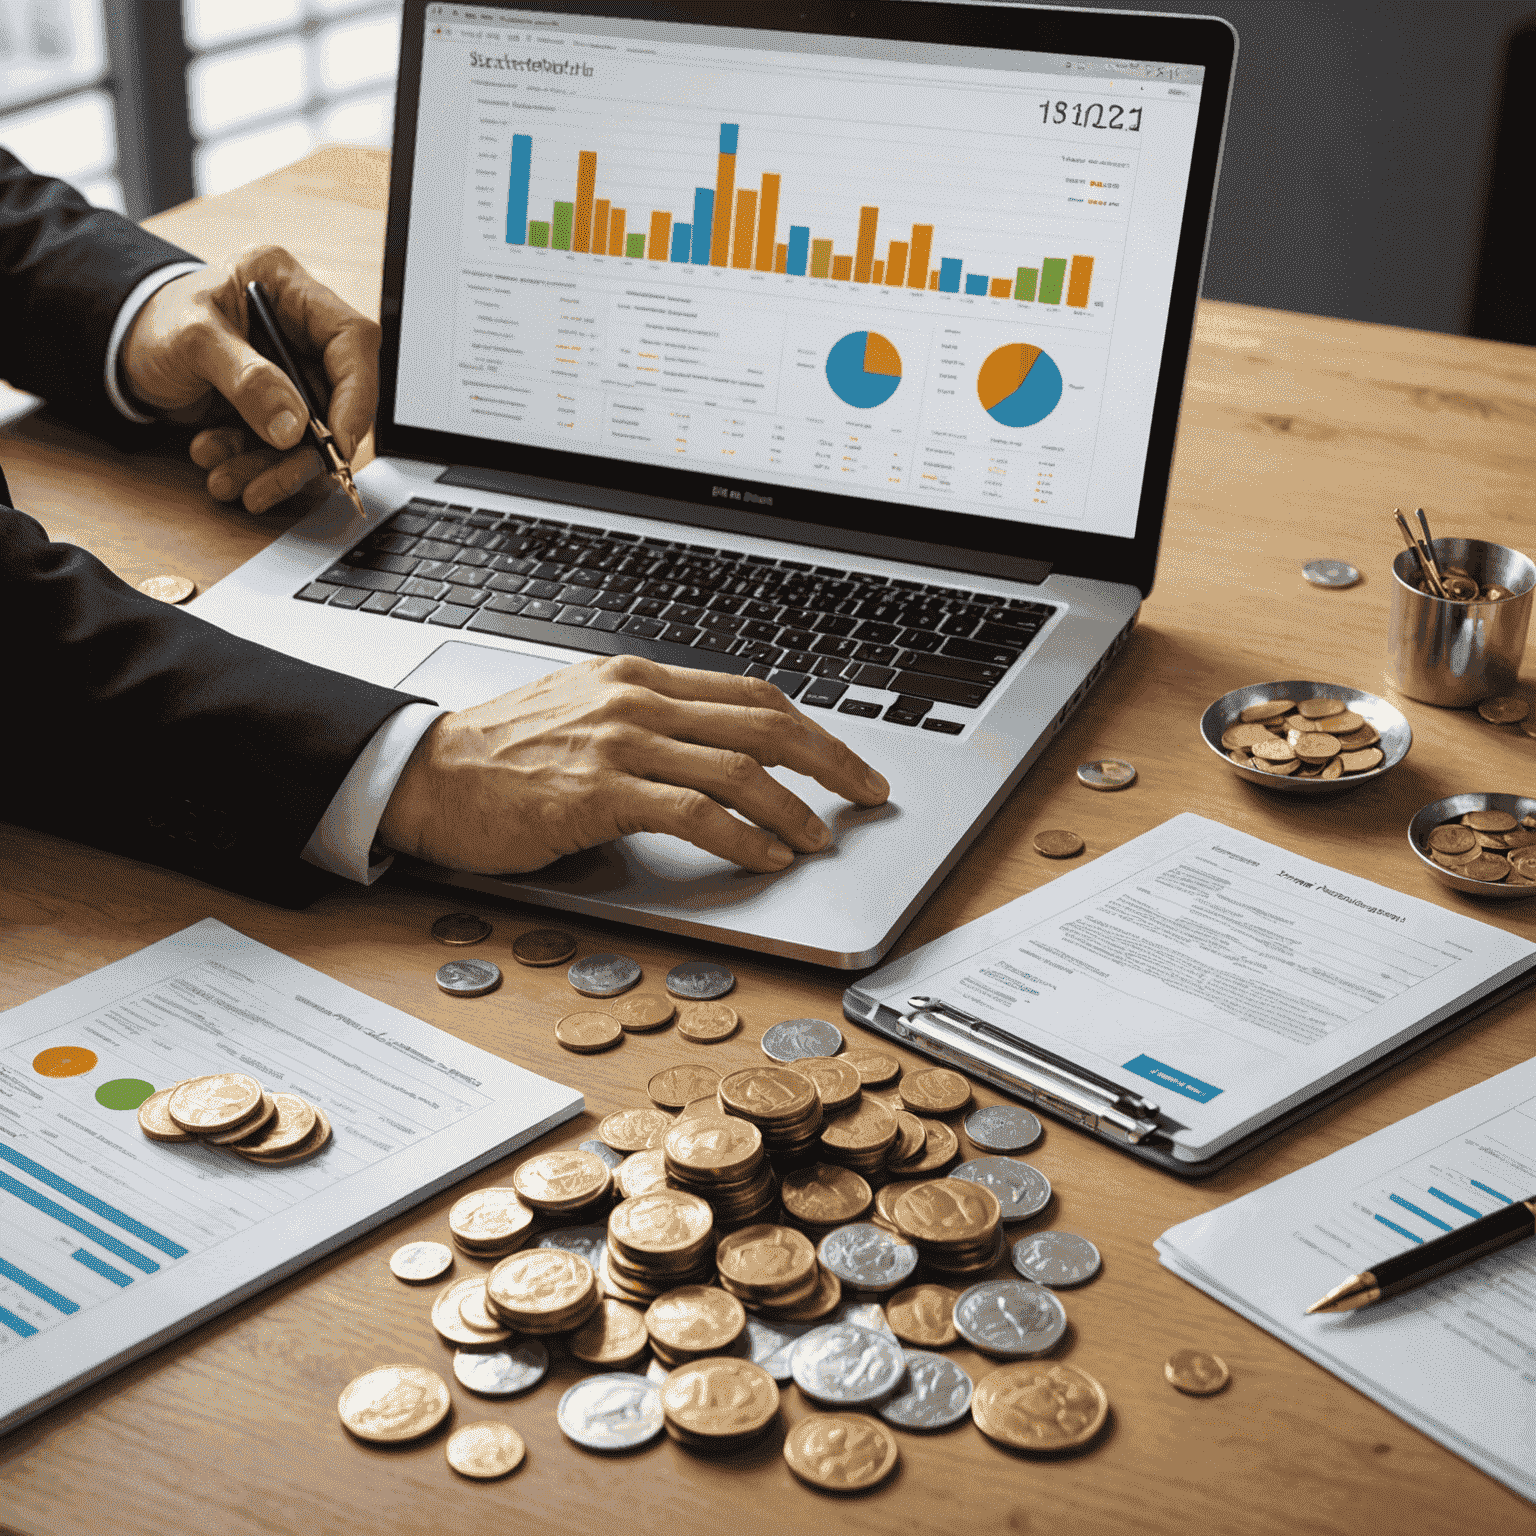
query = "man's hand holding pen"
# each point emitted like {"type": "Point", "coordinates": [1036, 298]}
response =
{"type": "Point", "coordinates": [188, 352]}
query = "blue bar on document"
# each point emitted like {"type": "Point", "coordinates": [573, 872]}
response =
{"type": "Point", "coordinates": [975, 283]}
{"type": "Point", "coordinates": [1164, 1076]}
{"type": "Point", "coordinates": [517, 194]}
{"type": "Point", "coordinates": [799, 250]}
{"type": "Point", "coordinates": [116, 1276]}
{"type": "Point", "coordinates": [1413, 1236]}
{"type": "Point", "coordinates": [91, 1203]}
{"type": "Point", "coordinates": [42, 1292]}
{"type": "Point", "coordinates": [682, 242]}
{"type": "Point", "coordinates": [1488, 1189]}
{"type": "Point", "coordinates": [18, 1325]}
{"type": "Point", "coordinates": [703, 223]}
{"type": "Point", "coordinates": [949, 275]}
{"type": "Point", "coordinates": [76, 1223]}
{"type": "Point", "coordinates": [1408, 1205]}
{"type": "Point", "coordinates": [728, 133]}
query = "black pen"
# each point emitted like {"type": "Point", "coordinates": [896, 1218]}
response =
{"type": "Point", "coordinates": [267, 337]}
{"type": "Point", "coordinates": [1432, 1259]}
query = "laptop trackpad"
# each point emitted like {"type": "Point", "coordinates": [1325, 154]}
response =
{"type": "Point", "coordinates": [457, 674]}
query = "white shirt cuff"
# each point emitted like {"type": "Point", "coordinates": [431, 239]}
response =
{"type": "Point", "coordinates": [343, 841]}
{"type": "Point", "coordinates": [125, 318]}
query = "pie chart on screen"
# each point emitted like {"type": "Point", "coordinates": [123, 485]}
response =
{"type": "Point", "coordinates": [864, 369]}
{"type": "Point", "coordinates": [1019, 385]}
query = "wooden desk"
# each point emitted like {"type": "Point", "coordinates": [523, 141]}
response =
{"type": "Point", "coordinates": [1299, 435]}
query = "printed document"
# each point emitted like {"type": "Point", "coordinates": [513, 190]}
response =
{"type": "Point", "coordinates": [1457, 1357]}
{"type": "Point", "coordinates": [111, 1243]}
{"type": "Point", "coordinates": [1217, 976]}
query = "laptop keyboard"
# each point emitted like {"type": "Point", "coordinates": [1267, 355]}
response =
{"type": "Point", "coordinates": [924, 651]}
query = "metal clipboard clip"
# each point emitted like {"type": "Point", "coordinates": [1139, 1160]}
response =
{"type": "Point", "coordinates": [1036, 1073]}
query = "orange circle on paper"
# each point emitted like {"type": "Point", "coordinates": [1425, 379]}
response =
{"type": "Point", "coordinates": [63, 1061]}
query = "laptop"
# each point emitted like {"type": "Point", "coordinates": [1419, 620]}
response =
{"type": "Point", "coordinates": [838, 345]}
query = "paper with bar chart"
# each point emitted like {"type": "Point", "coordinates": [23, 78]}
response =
{"type": "Point", "coordinates": [1456, 1357]}
{"type": "Point", "coordinates": [111, 1243]}
{"type": "Point", "coordinates": [661, 255]}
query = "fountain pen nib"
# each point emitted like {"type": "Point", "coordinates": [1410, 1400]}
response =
{"type": "Point", "coordinates": [349, 485]}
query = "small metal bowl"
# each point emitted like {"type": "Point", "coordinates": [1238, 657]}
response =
{"type": "Point", "coordinates": [1391, 725]}
{"type": "Point", "coordinates": [1449, 809]}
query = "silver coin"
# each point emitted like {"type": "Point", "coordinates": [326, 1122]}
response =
{"type": "Point", "coordinates": [590, 1242]}
{"type": "Point", "coordinates": [603, 975]}
{"type": "Point", "coordinates": [416, 1263]}
{"type": "Point", "coordinates": [501, 1372]}
{"type": "Point", "coordinates": [615, 1411]}
{"type": "Point", "coordinates": [1002, 1128]}
{"type": "Point", "coordinates": [1056, 1258]}
{"type": "Point", "coordinates": [867, 1257]}
{"type": "Point", "coordinates": [936, 1393]}
{"type": "Point", "coordinates": [1330, 573]}
{"type": "Point", "coordinates": [867, 1314]}
{"type": "Point", "coordinates": [1022, 1191]}
{"type": "Point", "coordinates": [1011, 1318]}
{"type": "Point", "coordinates": [1106, 773]}
{"type": "Point", "coordinates": [795, 1038]}
{"type": "Point", "coordinates": [847, 1366]}
{"type": "Point", "coordinates": [603, 1150]}
{"type": "Point", "coordinates": [770, 1345]}
{"type": "Point", "coordinates": [656, 1373]}
{"type": "Point", "coordinates": [468, 978]}
{"type": "Point", "coordinates": [699, 981]}
{"type": "Point", "coordinates": [460, 928]}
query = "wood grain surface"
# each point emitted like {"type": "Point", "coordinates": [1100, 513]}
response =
{"type": "Point", "coordinates": [1299, 435]}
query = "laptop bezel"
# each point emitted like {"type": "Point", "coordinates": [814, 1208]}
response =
{"type": "Point", "coordinates": [1023, 551]}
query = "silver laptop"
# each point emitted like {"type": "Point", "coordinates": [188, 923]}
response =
{"type": "Point", "coordinates": [841, 345]}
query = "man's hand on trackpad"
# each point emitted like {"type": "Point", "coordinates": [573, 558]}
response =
{"type": "Point", "coordinates": [604, 748]}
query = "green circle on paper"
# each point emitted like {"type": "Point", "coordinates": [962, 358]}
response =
{"type": "Point", "coordinates": [123, 1093]}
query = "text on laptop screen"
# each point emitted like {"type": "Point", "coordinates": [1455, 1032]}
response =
{"type": "Point", "coordinates": [931, 276]}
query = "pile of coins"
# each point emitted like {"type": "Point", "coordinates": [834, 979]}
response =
{"type": "Point", "coordinates": [720, 1158]}
{"type": "Point", "coordinates": [719, 1404]}
{"type": "Point", "coordinates": [1313, 739]}
{"type": "Point", "coordinates": [578, 1185]}
{"type": "Point", "coordinates": [863, 1137]}
{"type": "Point", "coordinates": [542, 1290]}
{"type": "Point", "coordinates": [782, 1103]}
{"type": "Point", "coordinates": [231, 1109]}
{"type": "Point", "coordinates": [1486, 845]}
{"type": "Point", "coordinates": [1461, 586]}
{"type": "Point", "coordinates": [693, 1322]}
{"type": "Point", "coordinates": [658, 1241]}
{"type": "Point", "coordinates": [1509, 709]}
{"type": "Point", "coordinates": [955, 1225]}
{"type": "Point", "coordinates": [490, 1223]}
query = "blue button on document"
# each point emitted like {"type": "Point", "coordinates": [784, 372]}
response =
{"type": "Point", "coordinates": [1170, 1077]}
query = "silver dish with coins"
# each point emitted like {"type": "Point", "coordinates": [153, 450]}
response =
{"type": "Point", "coordinates": [1502, 866]}
{"type": "Point", "coordinates": [1291, 750]}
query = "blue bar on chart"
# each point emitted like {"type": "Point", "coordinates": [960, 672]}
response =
{"type": "Point", "coordinates": [18, 1325]}
{"type": "Point", "coordinates": [517, 196]}
{"type": "Point", "coordinates": [42, 1292]}
{"type": "Point", "coordinates": [76, 1223]}
{"type": "Point", "coordinates": [1450, 1200]}
{"type": "Point", "coordinates": [100, 1208]}
{"type": "Point", "coordinates": [1411, 1236]}
{"type": "Point", "coordinates": [1408, 1205]}
{"type": "Point", "coordinates": [703, 223]}
{"type": "Point", "coordinates": [682, 242]}
{"type": "Point", "coordinates": [949, 275]}
{"type": "Point", "coordinates": [975, 284]}
{"type": "Point", "coordinates": [729, 132]}
{"type": "Point", "coordinates": [116, 1276]}
{"type": "Point", "coordinates": [1488, 1189]}
{"type": "Point", "coordinates": [799, 249]}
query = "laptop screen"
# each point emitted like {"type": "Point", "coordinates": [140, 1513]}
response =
{"type": "Point", "coordinates": [868, 281]}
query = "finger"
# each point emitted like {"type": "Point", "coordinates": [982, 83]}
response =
{"type": "Point", "coordinates": [211, 448]}
{"type": "Point", "coordinates": [290, 474]}
{"type": "Point", "coordinates": [697, 819]}
{"type": "Point", "coordinates": [260, 391]}
{"type": "Point", "coordinates": [229, 480]}
{"type": "Point", "coordinates": [733, 779]}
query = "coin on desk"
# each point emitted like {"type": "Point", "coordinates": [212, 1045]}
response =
{"type": "Point", "coordinates": [1058, 844]}
{"type": "Point", "coordinates": [419, 1262]}
{"type": "Point", "coordinates": [923, 1315]}
{"type": "Point", "coordinates": [502, 1372]}
{"type": "Point", "coordinates": [935, 1394]}
{"type": "Point", "coordinates": [935, 1091]}
{"type": "Point", "coordinates": [168, 589]}
{"type": "Point", "coordinates": [468, 978]}
{"type": "Point", "coordinates": [699, 981]}
{"type": "Point", "coordinates": [394, 1403]}
{"type": "Point", "coordinates": [1022, 1191]}
{"type": "Point", "coordinates": [1330, 573]}
{"type": "Point", "coordinates": [1002, 1128]}
{"type": "Point", "coordinates": [603, 975]}
{"type": "Point", "coordinates": [707, 1023]}
{"type": "Point", "coordinates": [1010, 1318]}
{"type": "Point", "coordinates": [1042, 1407]}
{"type": "Point", "coordinates": [613, 1411]}
{"type": "Point", "coordinates": [795, 1038]}
{"type": "Point", "coordinates": [460, 928]}
{"type": "Point", "coordinates": [588, 1032]}
{"type": "Point", "coordinates": [841, 1452]}
{"type": "Point", "coordinates": [845, 1364]}
{"type": "Point", "coordinates": [543, 946]}
{"type": "Point", "coordinates": [1056, 1259]}
{"type": "Point", "coordinates": [1196, 1372]}
{"type": "Point", "coordinates": [485, 1450]}
{"type": "Point", "coordinates": [1106, 773]}
{"type": "Point", "coordinates": [634, 1130]}
{"type": "Point", "coordinates": [673, 1087]}
{"type": "Point", "coordinates": [1506, 709]}
{"type": "Point", "coordinates": [640, 1015]}
{"type": "Point", "coordinates": [875, 1068]}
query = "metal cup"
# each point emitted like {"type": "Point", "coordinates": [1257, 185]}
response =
{"type": "Point", "coordinates": [1457, 654]}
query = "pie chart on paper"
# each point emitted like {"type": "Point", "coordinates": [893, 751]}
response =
{"type": "Point", "coordinates": [864, 369]}
{"type": "Point", "coordinates": [1019, 385]}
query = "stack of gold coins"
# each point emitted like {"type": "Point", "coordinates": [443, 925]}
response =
{"type": "Point", "coordinates": [956, 1226]}
{"type": "Point", "coordinates": [719, 1404]}
{"type": "Point", "coordinates": [886, 1197]}
{"type": "Point", "coordinates": [837, 1081]}
{"type": "Point", "coordinates": [542, 1290]}
{"type": "Point", "coordinates": [657, 1242]}
{"type": "Point", "coordinates": [783, 1104]}
{"type": "Point", "coordinates": [490, 1223]}
{"type": "Point", "coordinates": [231, 1109]}
{"type": "Point", "coordinates": [823, 1196]}
{"type": "Point", "coordinates": [693, 1322]}
{"type": "Point", "coordinates": [769, 1267]}
{"type": "Point", "coordinates": [574, 1184]}
{"type": "Point", "coordinates": [641, 1172]}
{"type": "Point", "coordinates": [939, 1148]}
{"type": "Point", "coordinates": [720, 1159]}
{"type": "Point", "coordinates": [862, 1138]}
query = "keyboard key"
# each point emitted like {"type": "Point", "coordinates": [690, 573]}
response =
{"type": "Point", "coordinates": [873, 677]}
{"type": "Point", "coordinates": [541, 608]}
{"type": "Point", "coordinates": [416, 587]}
{"type": "Point", "coordinates": [574, 613]}
{"type": "Point", "coordinates": [922, 640]}
{"type": "Point", "coordinates": [834, 624]}
{"type": "Point", "coordinates": [648, 607]}
{"type": "Point", "coordinates": [503, 583]}
{"type": "Point", "coordinates": [824, 693]}
{"type": "Point", "coordinates": [507, 602]}
{"type": "Point", "coordinates": [952, 666]}
{"type": "Point", "coordinates": [943, 727]}
{"type": "Point", "coordinates": [757, 669]}
{"type": "Point", "coordinates": [466, 597]}
{"type": "Point", "coordinates": [468, 576]}
{"type": "Point", "coordinates": [828, 666]}
{"type": "Point", "coordinates": [647, 629]}
{"type": "Point", "coordinates": [607, 622]}
{"type": "Point", "coordinates": [799, 661]}
{"type": "Point", "coordinates": [759, 629]}
{"type": "Point", "coordinates": [760, 651]}
{"type": "Point", "coordinates": [877, 634]}
{"type": "Point", "coordinates": [1003, 634]}
{"type": "Point", "coordinates": [613, 602]}
{"type": "Point", "coordinates": [317, 592]}
{"type": "Point", "coordinates": [382, 562]}
{"type": "Point", "coordinates": [720, 644]}
{"type": "Point", "coordinates": [413, 608]}
{"type": "Point", "coordinates": [578, 596]}
{"type": "Point", "coordinates": [974, 650]}
{"type": "Point", "coordinates": [543, 588]}
{"type": "Point", "coordinates": [881, 655]}
{"type": "Point", "coordinates": [835, 645]}
{"type": "Point", "coordinates": [908, 711]}
{"type": "Point", "coordinates": [349, 597]}
{"type": "Point", "coordinates": [682, 613]}
{"type": "Point", "coordinates": [681, 634]}
{"type": "Point", "coordinates": [863, 708]}
{"type": "Point", "coordinates": [364, 581]}
{"type": "Point", "coordinates": [380, 602]}
{"type": "Point", "coordinates": [943, 690]}
{"type": "Point", "coordinates": [725, 624]}
{"type": "Point", "coordinates": [790, 683]}
{"type": "Point", "coordinates": [451, 616]}
{"type": "Point", "coordinates": [408, 522]}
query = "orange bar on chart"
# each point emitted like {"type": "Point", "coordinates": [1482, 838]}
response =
{"type": "Point", "coordinates": [725, 204]}
{"type": "Point", "coordinates": [615, 231]}
{"type": "Point", "coordinates": [877, 277]}
{"type": "Point", "coordinates": [746, 228]}
{"type": "Point", "coordinates": [896, 264]}
{"type": "Point", "coordinates": [586, 180]}
{"type": "Point", "coordinates": [767, 223]}
{"type": "Point", "coordinates": [917, 267]}
{"type": "Point", "coordinates": [661, 236]}
{"type": "Point", "coordinates": [864, 253]}
{"type": "Point", "coordinates": [781, 258]}
{"type": "Point", "coordinates": [1002, 288]}
{"type": "Point", "coordinates": [1078, 280]}
{"type": "Point", "coordinates": [933, 279]}
{"type": "Point", "coordinates": [600, 226]}
{"type": "Point", "coordinates": [842, 268]}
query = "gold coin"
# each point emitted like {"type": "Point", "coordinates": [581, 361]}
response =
{"type": "Point", "coordinates": [214, 1103]}
{"type": "Point", "coordinates": [825, 1194]}
{"type": "Point", "coordinates": [1362, 761]}
{"type": "Point", "coordinates": [1479, 821]}
{"type": "Point", "coordinates": [911, 1139]}
{"type": "Point", "coordinates": [559, 1181]}
{"type": "Point", "coordinates": [1275, 750]}
{"type": "Point", "coordinates": [706, 1104]}
{"type": "Point", "coordinates": [1196, 1372]}
{"type": "Point", "coordinates": [312, 1143]}
{"type": "Point", "coordinates": [942, 1145]}
{"type": "Point", "coordinates": [589, 1032]}
{"type": "Point", "coordinates": [642, 1172]}
{"type": "Point", "coordinates": [767, 1257]}
{"type": "Point", "coordinates": [640, 1014]}
{"type": "Point", "coordinates": [259, 1117]}
{"type": "Point", "coordinates": [826, 1297]}
{"type": "Point", "coordinates": [720, 1146]}
{"type": "Point", "coordinates": [485, 1450]}
{"type": "Point", "coordinates": [1058, 845]}
{"type": "Point", "coordinates": [700, 1319]}
{"type": "Point", "coordinates": [1039, 1406]}
{"type": "Point", "coordinates": [449, 1321]}
{"type": "Point", "coordinates": [613, 1336]}
{"type": "Point", "coordinates": [168, 589]}
{"type": "Point", "coordinates": [838, 1083]}
{"type": "Point", "coordinates": [155, 1119]}
{"type": "Point", "coordinates": [865, 1128]}
{"type": "Point", "coordinates": [666, 1221]}
{"type": "Point", "coordinates": [416, 1263]}
{"type": "Point", "coordinates": [875, 1068]}
{"type": "Point", "coordinates": [1319, 709]}
{"type": "Point", "coordinates": [1453, 838]}
{"type": "Point", "coordinates": [1269, 709]}
{"type": "Point", "coordinates": [292, 1124]}
{"type": "Point", "coordinates": [634, 1130]}
{"type": "Point", "coordinates": [923, 1315]}
{"type": "Point", "coordinates": [1317, 748]}
{"type": "Point", "coordinates": [887, 1196]}
{"type": "Point", "coordinates": [707, 1023]}
{"type": "Point", "coordinates": [1507, 709]}
{"type": "Point", "coordinates": [473, 1312]}
{"type": "Point", "coordinates": [1345, 723]}
{"type": "Point", "coordinates": [1352, 741]}
{"type": "Point", "coordinates": [1492, 867]}
{"type": "Point", "coordinates": [841, 1452]}
{"type": "Point", "coordinates": [720, 1399]}
{"type": "Point", "coordinates": [489, 1217]}
{"type": "Point", "coordinates": [769, 1094]}
{"type": "Point", "coordinates": [673, 1087]}
{"type": "Point", "coordinates": [1243, 735]}
{"type": "Point", "coordinates": [539, 1285]}
{"type": "Point", "coordinates": [393, 1403]}
{"type": "Point", "coordinates": [949, 1211]}
{"type": "Point", "coordinates": [935, 1091]}
{"type": "Point", "coordinates": [543, 946]}
{"type": "Point", "coordinates": [1282, 769]}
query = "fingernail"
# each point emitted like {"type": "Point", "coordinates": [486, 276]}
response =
{"type": "Point", "coordinates": [817, 833]}
{"type": "Point", "coordinates": [779, 855]}
{"type": "Point", "coordinates": [875, 783]}
{"type": "Point", "coordinates": [221, 485]}
{"type": "Point", "coordinates": [283, 430]}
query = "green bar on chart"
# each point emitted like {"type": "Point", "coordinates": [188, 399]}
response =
{"type": "Point", "coordinates": [538, 232]}
{"type": "Point", "coordinates": [1024, 286]}
{"type": "Point", "coordinates": [560, 234]}
{"type": "Point", "coordinates": [1053, 273]}
{"type": "Point", "coordinates": [634, 245]}
{"type": "Point", "coordinates": [821, 257]}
